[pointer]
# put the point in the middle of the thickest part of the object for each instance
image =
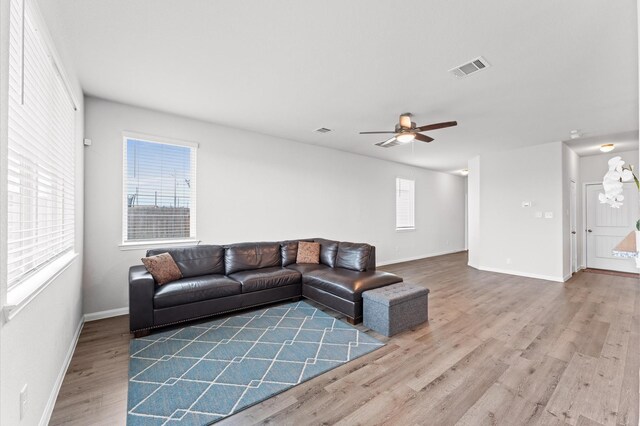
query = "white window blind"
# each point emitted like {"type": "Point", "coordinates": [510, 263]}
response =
{"type": "Point", "coordinates": [41, 165]}
{"type": "Point", "coordinates": [405, 204]}
{"type": "Point", "coordinates": [159, 190]}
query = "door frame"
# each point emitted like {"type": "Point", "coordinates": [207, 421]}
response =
{"type": "Point", "coordinates": [584, 221]}
{"type": "Point", "coordinates": [573, 217]}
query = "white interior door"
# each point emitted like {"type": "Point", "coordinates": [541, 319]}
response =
{"type": "Point", "coordinates": [607, 226]}
{"type": "Point", "coordinates": [572, 225]}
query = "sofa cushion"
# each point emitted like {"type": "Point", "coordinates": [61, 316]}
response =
{"type": "Point", "coordinates": [304, 268]}
{"type": "Point", "coordinates": [195, 289]}
{"type": "Point", "coordinates": [328, 251]}
{"type": "Point", "coordinates": [195, 261]}
{"type": "Point", "coordinates": [308, 252]}
{"type": "Point", "coordinates": [262, 279]}
{"type": "Point", "coordinates": [249, 256]}
{"type": "Point", "coordinates": [288, 252]}
{"type": "Point", "coordinates": [162, 268]}
{"type": "Point", "coordinates": [346, 283]}
{"type": "Point", "coordinates": [354, 256]}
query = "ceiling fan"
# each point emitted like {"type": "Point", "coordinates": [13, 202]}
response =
{"type": "Point", "coordinates": [406, 131]}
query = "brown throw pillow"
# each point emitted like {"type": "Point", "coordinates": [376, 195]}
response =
{"type": "Point", "coordinates": [162, 268]}
{"type": "Point", "coordinates": [308, 252]}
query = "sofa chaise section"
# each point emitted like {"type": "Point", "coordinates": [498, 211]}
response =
{"type": "Point", "coordinates": [345, 271]}
{"type": "Point", "coordinates": [341, 289]}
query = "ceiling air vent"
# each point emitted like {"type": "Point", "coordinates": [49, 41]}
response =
{"type": "Point", "coordinates": [322, 130]}
{"type": "Point", "coordinates": [475, 65]}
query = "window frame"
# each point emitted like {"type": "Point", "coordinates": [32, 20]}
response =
{"type": "Point", "coordinates": [148, 244]}
{"type": "Point", "coordinates": [413, 226]}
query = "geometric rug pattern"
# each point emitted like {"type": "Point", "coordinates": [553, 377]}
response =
{"type": "Point", "coordinates": [202, 373]}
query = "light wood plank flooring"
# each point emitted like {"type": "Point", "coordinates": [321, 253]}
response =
{"type": "Point", "coordinates": [498, 349]}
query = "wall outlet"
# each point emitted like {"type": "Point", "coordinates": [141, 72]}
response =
{"type": "Point", "coordinates": [548, 215]}
{"type": "Point", "coordinates": [23, 402]}
{"type": "Point", "coordinates": [538, 215]}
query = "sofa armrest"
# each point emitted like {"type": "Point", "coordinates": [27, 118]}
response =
{"type": "Point", "coordinates": [141, 290]}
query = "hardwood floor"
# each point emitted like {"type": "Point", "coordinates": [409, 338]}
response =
{"type": "Point", "coordinates": [498, 349]}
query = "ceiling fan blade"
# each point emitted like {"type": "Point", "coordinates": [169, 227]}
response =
{"type": "Point", "coordinates": [373, 133]}
{"type": "Point", "coordinates": [437, 126]}
{"type": "Point", "coordinates": [423, 138]}
{"type": "Point", "coordinates": [405, 121]}
{"type": "Point", "coordinates": [388, 143]}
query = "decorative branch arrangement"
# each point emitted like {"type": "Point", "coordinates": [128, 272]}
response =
{"type": "Point", "coordinates": [613, 183]}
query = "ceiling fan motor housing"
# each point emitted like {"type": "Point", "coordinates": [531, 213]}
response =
{"type": "Point", "coordinates": [405, 121]}
{"type": "Point", "coordinates": [399, 127]}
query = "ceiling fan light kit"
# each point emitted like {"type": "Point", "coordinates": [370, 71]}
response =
{"type": "Point", "coordinates": [407, 131]}
{"type": "Point", "coordinates": [405, 137]}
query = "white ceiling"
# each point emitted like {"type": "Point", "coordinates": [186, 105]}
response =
{"type": "Point", "coordinates": [285, 68]}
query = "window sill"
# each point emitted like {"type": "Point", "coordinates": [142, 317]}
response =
{"type": "Point", "coordinates": [19, 297]}
{"type": "Point", "coordinates": [405, 229]}
{"type": "Point", "coordinates": [145, 245]}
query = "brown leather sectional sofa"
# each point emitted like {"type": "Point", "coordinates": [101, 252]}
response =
{"type": "Point", "coordinates": [220, 279]}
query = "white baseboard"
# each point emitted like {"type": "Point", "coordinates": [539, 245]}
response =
{"type": "Point", "coordinates": [423, 256]}
{"type": "Point", "coordinates": [94, 316]}
{"type": "Point", "coordinates": [48, 409]}
{"type": "Point", "coordinates": [523, 274]}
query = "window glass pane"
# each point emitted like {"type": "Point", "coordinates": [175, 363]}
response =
{"type": "Point", "coordinates": [159, 191]}
{"type": "Point", "coordinates": [405, 204]}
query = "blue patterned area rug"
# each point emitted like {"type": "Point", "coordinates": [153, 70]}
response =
{"type": "Point", "coordinates": [202, 373]}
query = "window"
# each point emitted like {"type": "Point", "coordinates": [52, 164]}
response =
{"type": "Point", "coordinates": [405, 204]}
{"type": "Point", "coordinates": [40, 152]}
{"type": "Point", "coordinates": [159, 190]}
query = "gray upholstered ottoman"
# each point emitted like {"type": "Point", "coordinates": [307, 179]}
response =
{"type": "Point", "coordinates": [395, 308]}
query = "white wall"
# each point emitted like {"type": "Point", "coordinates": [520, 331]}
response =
{"type": "Point", "coordinates": [35, 345]}
{"type": "Point", "coordinates": [473, 212]}
{"type": "Point", "coordinates": [512, 239]}
{"type": "Point", "coordinates": [499, 229]}
{"type": "Point", "coordinates": [253, 187]}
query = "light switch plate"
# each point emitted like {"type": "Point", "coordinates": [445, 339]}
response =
{"type": "Point", "coordinates": [538, 215]}
{"type": "Point", "coordinates": [526, 204]}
